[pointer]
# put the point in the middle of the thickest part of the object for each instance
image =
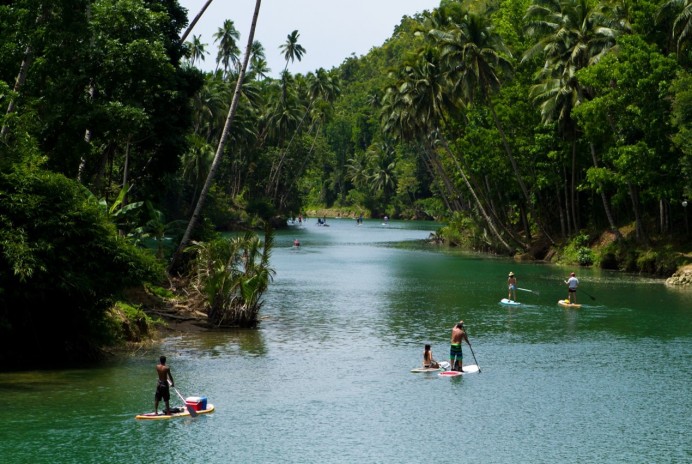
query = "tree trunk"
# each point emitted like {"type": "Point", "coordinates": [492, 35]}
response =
{"type": "Point", "coordinates": [487, 218]}
{"type": "Point", "coordinates": [641, 233]}
{"type": "Point", "coordinates": [194, 21]}
{"type": "Point", "coordinates": [23, 72]}
{"type": "Point", "coordinates": [517, 174]}
{"type": "Point", "coordinates": [222, 144]}
{"type": "Point", "coordinates": [604, 198]}
{"type": "Point", "coordinates": [573, 185]}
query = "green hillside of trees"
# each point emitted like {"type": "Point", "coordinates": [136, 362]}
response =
{"type": "Point", "coordinates": [529, 127]}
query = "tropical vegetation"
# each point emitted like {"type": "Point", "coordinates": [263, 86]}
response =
{"type": "Point", "coordinates": [532, 128]}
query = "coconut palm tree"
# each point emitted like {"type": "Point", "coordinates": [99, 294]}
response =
{"type": "Point", "coordinates": [196, 49]}
{"type": "Point", "coordinates": [292, 50]}
{"type": "Point", "coordinates": [570, 35]}
{"type": "Point", "coordinates": [175, 260]}
{"type": "Point", "coordinates": [681, 10]}
{"type": "Point", "coordinates": [227, 37]}
{"type": "Point", "coordinates": [415, 105]}
{"type": "Point", "coordinates": [476, 60]}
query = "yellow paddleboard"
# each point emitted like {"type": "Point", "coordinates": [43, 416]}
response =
{"type": "Point", "coordinates": [567, 304]}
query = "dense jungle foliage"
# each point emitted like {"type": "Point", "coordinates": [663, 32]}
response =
{"type": "Point", "coordinates": [527, 126]}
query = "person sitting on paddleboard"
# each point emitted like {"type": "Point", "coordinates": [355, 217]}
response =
{"type": "Point", "coordinates": [162, 390]}
{"type": "Point", "coordinates": [455, 354]}
{"type": "Point", "coordinates": [428, 360]}
{"type": "Point", "coordinates": [572, 284]}
{"type": "Point", "coordinates": [512, 287]}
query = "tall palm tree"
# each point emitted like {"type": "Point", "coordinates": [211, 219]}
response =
{"type": "Point", "coordinates": [196, 49]}
{"type": "Point", "coordinates": [476, 59]}
{"type": "Point", "coordinates": [175, 260]}
{"type": "Point", "coordinates": [570, 35]}
{"type": "Point", "coordinates": [258, 61]}
{"type": "Point", "coordinates": [292, 50]}
{"type": "Point", "coordinates": [227, 37]}
{"type": "Point", "coordinates": [415, 105]}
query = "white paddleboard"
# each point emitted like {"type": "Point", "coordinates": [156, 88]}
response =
{"type": "Point", "coordinates": [443, 366]}
{"type": "Point", "coordinates": [507, 302]}
{"type": "Point", "coordinates": [426, 369]}
{"type": "Point", "coordinates": [470, 369]}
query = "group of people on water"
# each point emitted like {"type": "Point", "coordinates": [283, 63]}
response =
{"type": "Point", "coordinates": [459, 333]}
{"type": "Point", "coordinates": [455, 351]}
{"type": "Point", "coordinates": [572, 283]}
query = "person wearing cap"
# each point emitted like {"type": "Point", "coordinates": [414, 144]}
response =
{"type": "Point", "coordinates": [455, 354]}
{"type": "Point", "coordinates": [572, 284]}
{"type": "Point", "coordinates": [512, 287]}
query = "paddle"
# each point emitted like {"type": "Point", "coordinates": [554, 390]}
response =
{"type": "Point", "coordinates": [474, 359]}
{"type": "Point", "coordinates": [593, 298]}
{"type": "Point", "coordinates": [527, 290]}
{"type": "Point", "coordinates": [189, 408]}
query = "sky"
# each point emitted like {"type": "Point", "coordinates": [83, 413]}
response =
{"type": "Point", "coordinates": [330, 30]}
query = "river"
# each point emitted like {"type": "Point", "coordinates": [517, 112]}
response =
{"type": "Point", "coordinates": [326, 378]}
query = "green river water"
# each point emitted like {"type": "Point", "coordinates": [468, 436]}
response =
{"type": "Point", "coordinates": [327, 376]}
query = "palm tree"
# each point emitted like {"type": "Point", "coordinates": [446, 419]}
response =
{"type": "Point", "coordinates": [292, 50]}
{"type": "Point", "coordinates": [414, 107]}
{"type": "Point", "coordinates": [258, 61]}
{"type": "Point", "coordinates": [382, 166]}
{"type": "Point", "coordinates": [228, 52]}
{"type": "Point", "coordinates": [196, 49]}
{"type": "Point", "coordinates": [232, 275]}
{"type": "Point", "coordinates": [682, 24]}
{"type": "Point", "coordinates": [476, 58]}
{"type": "Point", "coordinates": [570, 34]}
{"type": "Point", "coordinates": [220, 148]}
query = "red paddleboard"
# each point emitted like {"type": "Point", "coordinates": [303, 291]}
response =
{"type": "Point", "coordinates": [470, 369]}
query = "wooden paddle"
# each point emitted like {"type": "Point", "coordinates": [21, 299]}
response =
{"type": "Point", "coordinates": [189, 408]}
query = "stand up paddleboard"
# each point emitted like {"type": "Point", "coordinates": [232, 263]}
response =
{"type": "Point", "coordinates": [567, 304]}
{"type": "Point", "coordinates": [470, 369]}
{"type": "Point", "coordinates": [507, 302]}
{"type": "Point", "coordinates": [426, 369]}
{"type": "Point", "coordinates": [443, 366]}
{"type": "Point", "coordinates": [175, 413]}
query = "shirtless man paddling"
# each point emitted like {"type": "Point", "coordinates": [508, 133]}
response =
{"type": "Point", "coordinates": [455, 354]}
{"type": "Point", "coordinates": [162, 390]}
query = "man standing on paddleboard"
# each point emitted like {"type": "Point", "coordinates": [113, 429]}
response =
{"type": "Point", "coordinates": [572, 284]}
{"type": "Point", "coordinates": [512, 287]}
{"type": "Point", "coordinates": [455, 354]}
{"type": "Point", "coordinates": [162, 390]}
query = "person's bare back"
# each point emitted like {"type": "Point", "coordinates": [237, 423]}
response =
{"type": "Point", "coordinates": [164, 373]}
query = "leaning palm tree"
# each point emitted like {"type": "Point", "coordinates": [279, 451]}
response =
{"type": "Point", "coordinates": [292, 50]}
{"type": "Point", "coordinates": [476, 59]}
{"type": "Point", "coordinates": [194, 21]}
{"type": "Point", "coordinates": [416, 106]}
{"type": "Point", "coordinates": [173, 265]}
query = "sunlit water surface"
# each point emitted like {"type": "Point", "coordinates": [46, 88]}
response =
{"type": "Point", "coordinates": [326, 377]}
